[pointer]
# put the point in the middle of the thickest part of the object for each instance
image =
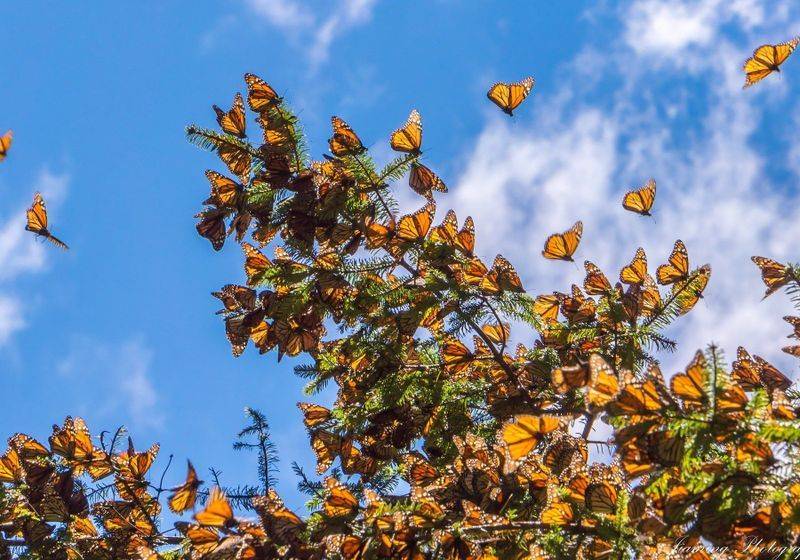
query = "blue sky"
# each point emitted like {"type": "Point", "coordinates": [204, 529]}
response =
{"type": "Point", "coordinates": [121, 330]}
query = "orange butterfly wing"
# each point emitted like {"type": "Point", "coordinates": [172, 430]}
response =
{"type": "Point", "coordinates": [561, 246]}
{"type": "Point", "coordinates": [641, 200]}
{"type": "Point", "coordinates": [409, 138]}
{"type": "Point", "coordinates": [509, 96]}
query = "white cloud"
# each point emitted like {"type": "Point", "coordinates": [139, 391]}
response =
{"type": "Point", "coordinates": [11, 319]}
{"type": "Point", "coordinates": [117, 374]}
{"type": "Point", "coordinates": [316, 33]}
{"type": "Point", "coordinates": [21, 253]}
{"type": "Point", "coordinates": [522, 183]}
{"type": "Point", "coordinates": [285, 14]}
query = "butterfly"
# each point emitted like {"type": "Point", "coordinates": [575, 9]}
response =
{"type": "Point", "coordinates": [184, 496]}
{"type": "Point", "coordinates": [5, 144]}
{"type": "Point", "coordinates": [603, 383]}
{"type": "Point", "coordinates": [225, 192]}
{"type": "Point", "coordinates": [408, 138]}
{"type": "Point", "coordinates": [260, 95]}
{"type": "Point", "coordinates": [509, 96]}
{"type": "Point", "coordinates": [640, 200]}
{"type": "Point", "coordinates": [344, 141]}
{"type": "Point", "coordinates": [339, 502]}
{"type": "Point", "coordinates": [233, 121]}
{"type": "Point", "coordinates": [37, 222]}
{"type": "Point", "coordinates": [526, 431]}
{"type": "Point", "coordinates": [422, 181]}
{"type": "Point", "coordinates": [561, 246]}
{"type": "Point", "coordinates": [596, 283]}
{"type": "Point", "coordinates": [218, 511]}
{"type": "Point", "coordinates": [314, 414]}
{"type": "Point", "coordinates": [636, 271]}
{"type": "Point", "coordinates": [767, 59]}
{"type": "Point", "coordinates": [774, 274]}
{"type": "Point", "coordinates": [691, 291]}
{"type": "Point", "coordinates": [690, 387]}
{"type": "Point", "coordinates": [256, 264]}
{"type": "Point", "coordinates": [677, 268]}
{"type": "Point", "coordinates": [547, 306]}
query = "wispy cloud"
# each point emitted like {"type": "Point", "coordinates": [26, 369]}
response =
{"type": "Point", "coordinates": [587, 148]}
{"type": "Point", "coordinates": [316, 33]}
{"type": "Point", "coordinates": [21, 253]}
{"type": "Point", "coordinates": [117, 374]}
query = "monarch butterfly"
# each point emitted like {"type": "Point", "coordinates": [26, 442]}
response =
{"type": "Point", "coordinates": [212, 226]}
{"type": "Point", "coordinates": [601, 497]}
{"type": "Point", "coordinates": [314, 414]}
{"type": "Point", "coordinates": [774, 274]}
{"type": "Point", "coordinates": [767, 59]}
{"type": "Point", "coordinates": [505, 276]}
{"type": "Point", "coordinates": [345, 141]}
{"type": "Point", "coordinates": [557, 513]}
{"type": "Point", "coordinates": [233, 121]}
{"type": "Point", "coordinates": [422, 181]}
{"type": "Point", "coordinates": [641, 200]}
{"type": "Point", "coordinates": [577, 308]}
{"type": "Point", "coordinates": [603, 383]}
{"type": "Point", "coordinates": [408, 138]}
{"type": "Point", "coordinates": [596, 283]}
{"type": "Point", "coordinates": [561, 246]}
{"type": "Point", "coordinates": [447, 232]}
{"type": "Point", "coordinates": [260, 95]}
{"type": "Point", "coordinates": [37, 222]}
{"type": "Point", "coordinates": [547, 306]}
{"type": "Point", "coordinates": [413, 228]}
{"type": "Point", "coordinates": [636, 271]}
{"type": "Point", "coordinates": [509, 96]}
{"type": "Point", "coordinates": [184, 496]}
{"type": "Point", "coordinates": [11, 467]}
{"type": "Point", "coordinates": [326, 446]}
{"type": "Point", "coordinates": [5, 143]}
{"type": "Point", "coordinates": [418, 471]}
{"type": "Point", "coordinates": [677, 268]}
{"type": "Point", "coordinates": [456, 356]}
{"type": "Point", "coordinates": [691, 386]}
{"type": "Point", "coordinates": [691, 291]}
{"type": "Point", "coordinates": [218, 511]}
{"type": "Point", "coordinates": [73, 441]}
{"type": "Point", "coordinates": [569, 376]}
{"type": "Point", "coordinates": [225, 192]}
{"type": "Point", "coordinates": [526, 431]}
{"type": "Point", "coordinates": [255, 264]}
{"type": "Point", "coordinates": [134, 466]}
{"type": "Point", "coordinates": [339, 502]}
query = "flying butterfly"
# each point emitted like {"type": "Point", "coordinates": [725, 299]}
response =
{"type": "Point", "coordinates": [233, 121]}
{"type": "Point", "coordinates": [767, 59]}
{"type": "Point", "coordinates": [677, 268]}
{"type": "Point", "coordinates": [509, 96]}
{"type": "Point", "coordinates": [344, 142]}
{"type": "Point", "coordinates": [561, 246]}
{"type": "Point", "coordinates": [37, 222]}
{"type": "Point", "coordinates": [183, 497]}
{"type": "Point", "coordinates": [5, 144]}
{"type": "Point", "coordinates": [408, 138]}
{"type": "Point", "coordinates": [641, 200]}
{"type": "Point", "coordinates": [218, 511]}
{"type": "Point", "coordinates": [260, 95]}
